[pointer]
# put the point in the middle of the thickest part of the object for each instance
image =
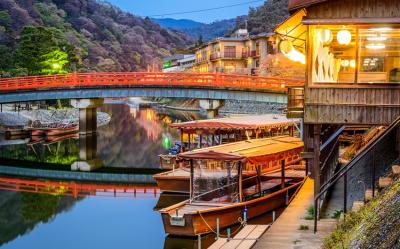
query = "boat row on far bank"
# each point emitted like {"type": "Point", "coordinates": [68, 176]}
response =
{"type": "Point", "coordinates": [211, 132]}
{"type": "Point", "coordinates": [219, 190]}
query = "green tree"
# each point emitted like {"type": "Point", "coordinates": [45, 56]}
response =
{"type": "Point", "coordinates": [5, 18]}
{"type": "Point", "coordinates": [34, 44]}
{"type": "Point", "coordinates": [6, 61]}
{"type": "Point", "coordinates": [54, 62]}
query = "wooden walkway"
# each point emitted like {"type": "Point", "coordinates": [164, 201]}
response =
{"type": "Point", "coordinates": [285, 233]}
{"type": "Point", "coordinates": [245, 239]}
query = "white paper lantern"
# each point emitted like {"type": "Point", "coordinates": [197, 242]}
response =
{"type": "Point", "coordinates": [344, 37]}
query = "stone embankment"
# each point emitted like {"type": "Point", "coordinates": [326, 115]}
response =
{"type": "Point", "coordinates": [46, 118]}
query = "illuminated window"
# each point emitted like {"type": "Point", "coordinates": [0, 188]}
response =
{"type": "Point", "coordinates": [355, 54]}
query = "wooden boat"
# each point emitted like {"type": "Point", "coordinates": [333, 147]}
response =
{"type": "Point", "coordinates": [168, 162]}
{"type": "Point", "coordinates": [177, 180]}
{"type": "Point", "coordinates": [235, 198]}
{"type": "Point", "coordinates": [12, 133]}
{"type": "Point", "coordinates": [37, 132]}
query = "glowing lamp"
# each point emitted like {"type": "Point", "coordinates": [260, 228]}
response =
{"type": "Point", "coordinates": [325, 36]}
{"type": "Point", "coordinates": [353, 63]}
{"type": "Point", "coordinates": [285, 46]}
{"type": "Point", "coordinates": [344, 37]}
{"type": "Point", "coordinates": [56, 66]}
{"type": "Point", "coordinates": [376, 46]}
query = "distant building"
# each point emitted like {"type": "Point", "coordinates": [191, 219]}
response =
{"type": "Point", "coordinates": [178, 63]}
{"type": "Point", "coordinates": [239, 54]}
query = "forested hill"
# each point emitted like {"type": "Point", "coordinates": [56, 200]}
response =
{"type": "Point", "coordinates": [195, 30]}
{"type": "Point", "coordinates": [50, 36]}
{"type": "Point", "coordinates": [265, 17]}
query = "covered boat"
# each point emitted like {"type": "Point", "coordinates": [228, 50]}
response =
{"type": "Point", "coordinates": [210, 132]}
{"type": "Point", "coordinates": [218, 190]}
{"type": "Point", "coordinates": [178, 180]}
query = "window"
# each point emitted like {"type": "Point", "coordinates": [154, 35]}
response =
{"type": "Point", "coordinates": [230, 51]}
{"type": "Point", "coordinates": [355, 54]}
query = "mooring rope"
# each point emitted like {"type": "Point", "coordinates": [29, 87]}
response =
{"type": "Point", "coordinates": [242, 223]}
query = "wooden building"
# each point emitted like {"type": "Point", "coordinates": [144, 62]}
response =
{"type": "Point", "coordinates": [352, 54]}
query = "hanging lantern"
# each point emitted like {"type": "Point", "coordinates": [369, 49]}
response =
{"type": "Point", "coordinates": [325, 36]}
{"type": "Point", "coordinates": [285, 46]}
{"type": "Point", "coordinates": [344, 37]}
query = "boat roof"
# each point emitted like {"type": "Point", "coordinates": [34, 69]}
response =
{"type": "Point", "coordinates": [247, 122]}
{"type": "Point", "coordinates": [253, 151]}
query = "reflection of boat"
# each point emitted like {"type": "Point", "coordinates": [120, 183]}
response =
{"type": "Point", "coordinates": [218, 190]}
{"type": "Point", "coordinates": [13, 133]}
{"type": "Point", "coordinates": [174, 242]}
{"type": "Point", "coordinates": [177, 180]}
{"type": "Point", "coordinates": [61, 131]}
{"type": "Point", "coordinates": [168, 199]}
{"type": "Point", "coordinates": [53, 139]}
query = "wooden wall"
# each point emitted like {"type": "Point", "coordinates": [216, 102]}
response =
{"type": "Point", "coordinates": [354, 9]}
{"type": "Point", "coordinates": [368, 105]}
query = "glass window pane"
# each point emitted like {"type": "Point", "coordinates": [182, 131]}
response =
{"type": "Point", "coordinates": [333, 54]}
{"type": "Point", "coordinates": [379, 55]}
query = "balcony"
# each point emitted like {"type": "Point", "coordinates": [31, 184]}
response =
{"type": "Point", "coordinates": [295, 107]}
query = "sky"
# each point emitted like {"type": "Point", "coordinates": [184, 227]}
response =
{"type": "Point", "coordinates": [157, 7]}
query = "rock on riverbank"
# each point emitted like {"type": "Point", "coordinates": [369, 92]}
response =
{"type": "Point", "coordinates": [46, 118]}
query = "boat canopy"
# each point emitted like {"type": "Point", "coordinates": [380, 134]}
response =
{"type": "Point", "coordinates": [254, 151]}
{"type": "Point", "coordinates": [248, 122]}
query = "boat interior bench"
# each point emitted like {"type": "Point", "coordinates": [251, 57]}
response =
{"type": "Point", "coordinates": [266, 188]}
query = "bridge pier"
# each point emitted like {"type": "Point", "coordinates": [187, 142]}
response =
{"type": "Point", "coordinates": [87, 114]}
{"type": "Point", "coordinates": [88, 160]}
{"type": "Point", "coordinates": [211, 106]}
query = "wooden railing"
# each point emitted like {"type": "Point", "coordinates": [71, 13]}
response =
{"type": "Point", "coordinates": [94, 80]}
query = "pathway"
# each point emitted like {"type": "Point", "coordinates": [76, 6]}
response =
{"type": "Point", "coordinates": [285, 233]}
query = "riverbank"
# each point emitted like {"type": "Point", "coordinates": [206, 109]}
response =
{"type": "Point", "coordinates": [45, 118]}
{"type": "Point", "coordinates": [230, 106]}
{"type": "Point", "coordinates": [375, 225]}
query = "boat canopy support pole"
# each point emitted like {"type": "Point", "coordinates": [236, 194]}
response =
{"type": "Point", "coordinates": [283, 173]}
{"type": "Point", "coordinates": [240, 181]}
{"type": "Point", "coordinates": [191, 180]}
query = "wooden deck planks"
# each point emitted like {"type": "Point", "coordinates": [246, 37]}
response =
{"type": "Point", "coordinates": [245, 239]}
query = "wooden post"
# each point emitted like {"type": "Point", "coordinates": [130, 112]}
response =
{"type": "Point", "coordinates": [191, 180]}
{"type": "Point", "coordinates": [291, 131]}
{"type": "Point", "coordinates": [181, 132]}
{"type": "Point", "coordinates": [189, 141]}
{"type": "Point", "coordinates": [240, 182]}
{"type": "Point", "coordinates": [316, 162]}
{"type": "Point", "coordinates": [373, 173]}
{"type": "Point", "coordinates": [283, 174]}
{"type": "Point", "coordinates": [213, 140]}
{"type": "Point", "coordinates": [258, 171]}
{"type": "Point", "coordinates": [201, 141]}
{"type": "Point", "coordinates": [345, 194]}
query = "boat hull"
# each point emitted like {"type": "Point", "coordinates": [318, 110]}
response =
{"type": "Point", "coordinates": [200, 222]}
{"type": "Point", "coordinates": [173, 184]}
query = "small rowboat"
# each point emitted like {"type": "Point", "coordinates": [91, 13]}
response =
{"type": "Point", "coordinates": [218, 190]}
{"type": "Point", "coordinates": [61, 131]}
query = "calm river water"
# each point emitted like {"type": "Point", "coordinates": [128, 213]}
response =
{"type": "Point", "coordinates": [128, 146]}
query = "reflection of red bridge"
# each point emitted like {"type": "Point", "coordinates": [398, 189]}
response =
{"type": "Point", "coordinates": [77, 80]}
{"type": "Point", "coordinates": [77, 189]}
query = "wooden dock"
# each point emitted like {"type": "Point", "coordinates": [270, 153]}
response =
{"type": "Point", "coordinates": [245, 239]}
{"type": "Point", "coordinates": [291, 230]}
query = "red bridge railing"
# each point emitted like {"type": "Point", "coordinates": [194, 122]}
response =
{"type": "Point", "coordinates": [77, 189]}
{"type": "Point", "coordinates": [92, 80]}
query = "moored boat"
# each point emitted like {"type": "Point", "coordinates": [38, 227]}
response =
{"type": "Point", "coordinates": [222, 193]}
{"type": "Point", "coordinates": [177, 180]}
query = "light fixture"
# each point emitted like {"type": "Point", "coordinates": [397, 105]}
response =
{"type": "Point", "coordinates": [325, 36]}
{"type": "Point", "coordinates": [353, 63]}
{"type": "Point", "coordinates": [345, 63]}
{"type": "Point", "coordinates": [287, 49]}
{"type": "Point", "coordinates": [381, 29]}
{"type": "Point", "coordinates": [375, 46]}
{"type": "Point", "coordinates": [377, 38]}
{"type": "Point", "coordinates": [344, 37]}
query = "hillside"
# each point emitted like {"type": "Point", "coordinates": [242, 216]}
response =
{"type": "Point", "coordinates": [82, 35]}
{"type": "Point", "coordinates": [178, 24]}
{"type": "Point", "coordinates": [196, 29]}
{"type": "Point", "coordinates": [265, 17]}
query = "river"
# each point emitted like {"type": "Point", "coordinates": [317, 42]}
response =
{"type": "Point", "coordinates": [37, 212]}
